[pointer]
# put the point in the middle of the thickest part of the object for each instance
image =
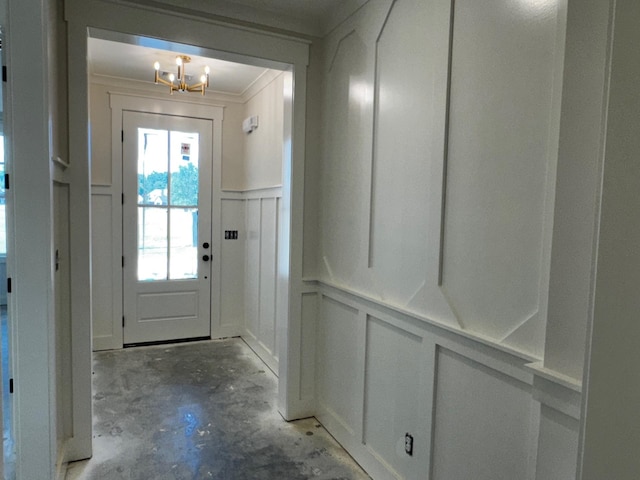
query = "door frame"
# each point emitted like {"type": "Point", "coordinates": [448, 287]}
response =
{"type": "Point", "coordinates": [120, 103]}
{"type": "Point", "coordinates": [233, 43]}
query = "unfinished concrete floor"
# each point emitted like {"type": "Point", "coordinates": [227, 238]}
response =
{"type": "Point", "coordinates": [203, 410]}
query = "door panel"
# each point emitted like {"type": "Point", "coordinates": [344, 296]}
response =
{"type": "Point", "coordinates": [166, 227]}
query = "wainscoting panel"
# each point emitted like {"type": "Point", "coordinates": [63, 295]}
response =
{"type": "Point", "coordinates": [471, 406]}
{"type": "Point", "coordinates": [308, 345]}
{"type": "Point", "coordinates": [232, 266]}
{"type": "Point", "coordinates": [482, 422]}
{"type": "Point", "coordinates": [252, 276]}
{"type": "Point", "coordinates": [267, 272]}
{"type": "Point", "coordinates": [558, 446]}
{"type": "Point", "coordinates": [260, 272]}
{"type": "Point", "coordinates": [339, 366]}
{"type": "Point", "coordinates": [395, 389]}
{"type": "Point", "coordinates": [106, 272]}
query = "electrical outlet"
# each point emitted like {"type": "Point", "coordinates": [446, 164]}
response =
{"type": "Point", "coordinates": [408, 444]}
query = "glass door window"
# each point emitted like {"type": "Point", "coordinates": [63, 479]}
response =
{"type": "Point", "coordinates": [168, 178]}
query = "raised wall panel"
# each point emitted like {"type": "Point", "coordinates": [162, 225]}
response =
{"type": "Point", "coordinates": [395, 397]}
{"type": "Point", "coordinates": [338, 363]}
{"type": "Point", "coordinates": [267, 272]}
{"type": "Point", "coordinates": [402, 153]}
{"type": "Point", "coordinates": [232, 264]}
{"type": "Point", "coordinates": [308, 343]}
{"type": "Point", "coordinates": [102, 269]}
{"type": "Point", "coordinates": [346, 161]}
{"type": "Point", "coordinates": [557, 446]}
{"type": "Point", "coordinates": [252, 272]}
{"type": "Point", "coordinates": [502, 81]}
{"type": "Point", "coordinates": [482, 422]}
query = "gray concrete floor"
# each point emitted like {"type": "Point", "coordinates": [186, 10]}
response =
{"type": "Point", "coordinates": [204, 410]}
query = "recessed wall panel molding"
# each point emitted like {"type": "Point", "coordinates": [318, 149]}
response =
{"type": "Point", "coordinates": [232, 267]}
{"type": "Point", "coordinates": [558, 446]}
{"type": "Point", "coordinates": [252, 277]}
{"type": "Point", "coordinates": [339, 366]}
{"type": "Point", "coordinates": [471, 407]}
{"type": "Point", "coordinates": [345, 166]}
{"type": "Point", "coordinates": [401, 154]}
{"type": "Point", "coordinates": [267, 272]}
{"type": "Point", "coordinates": [395, 392]}
{"type": "Point", "coordinates": [483, 422]}
{"type": "Point", "coordinates": [499, 163]}
{"type": "Point", "coordinates": [260, 250]}
{"type": "Point", "coordinates": [308, 345]}
{"type": "Point", "coordinates": [106, 273]}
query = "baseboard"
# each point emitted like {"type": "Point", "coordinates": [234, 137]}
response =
{"type": "Point", "coordinates": [259, 349]}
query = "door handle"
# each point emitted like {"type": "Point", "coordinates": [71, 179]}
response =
{"type": "Point", "coordinates": [205, 258]}
{"type": "Point", "coordinates": [205, 245]}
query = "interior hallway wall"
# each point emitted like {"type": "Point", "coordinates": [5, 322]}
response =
{"type": "Point", "coordinates": [263, 156]}
{"type": "Point", "coordinates": [440, 144]}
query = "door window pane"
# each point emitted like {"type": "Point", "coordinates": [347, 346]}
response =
{"type": "Point", "coordinates": [184, 169]}
{"type": "Point", "coordinates": [152, 243]}
{"type": "Point", "coordinates": [153, 166]}
{"type": "Point", "coordinates": [183, 256]}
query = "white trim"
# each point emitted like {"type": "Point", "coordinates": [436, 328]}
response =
{"type": "Point", "coordinates": [138, 103]}
{"type": "Point", "coordinates": [259, 84]}
{"type": "Point", "coordinates": [551, 375]}
{"type": "Point", "coordinates": [30, 238]}
{"type": "Point", "coordinates": [476, 337]}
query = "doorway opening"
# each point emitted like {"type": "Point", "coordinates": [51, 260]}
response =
{"type": "Point", "coordinates": [212, 265]}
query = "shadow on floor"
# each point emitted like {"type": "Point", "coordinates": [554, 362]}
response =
{"type": "Point", "coordinates": [204, 410]}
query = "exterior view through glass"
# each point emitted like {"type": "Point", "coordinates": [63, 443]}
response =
{"type": "Point", "coordinates": [167, 205]}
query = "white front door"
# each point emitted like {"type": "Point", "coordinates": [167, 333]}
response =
{"type": "Point", "coordinates": [166, 227]}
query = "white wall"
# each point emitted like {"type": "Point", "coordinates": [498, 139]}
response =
{"type": "Point", "coordinates": [436, 216]}
{"type": "Point", "coordinates": [263, 213]}
{"type": "Point", "coordinates": [263, 147]}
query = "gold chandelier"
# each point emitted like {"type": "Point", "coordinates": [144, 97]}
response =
{"type": "Point", "coordinates": [182, 85]}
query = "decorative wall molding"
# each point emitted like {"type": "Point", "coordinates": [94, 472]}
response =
{"type": "Point", "coordinates": [355, 297]}
{"type": "Point", "coordinates": [374, 134]}
{"type": "Point", "coordinates": [337, 48]}
{"type": "Point", "coordinates": [264, 192]}
{"type": "Point", "coordinates": [351, 316]}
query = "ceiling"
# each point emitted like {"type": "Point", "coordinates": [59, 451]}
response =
{"type": "Point", "coordinates": [308, 17]}
{"type": "Point", "coordinates": [135, 62]}
{"type": "Point", "coordinates": [132, 58]}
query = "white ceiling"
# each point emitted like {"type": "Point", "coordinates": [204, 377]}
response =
{"type": "Point", "coordinates": [132, 58]}
{"type": "Point", "coordinates": [135, 62]}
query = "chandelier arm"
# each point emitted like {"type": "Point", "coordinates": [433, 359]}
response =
{"type": "Point", "coordinates": [163, 81]}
